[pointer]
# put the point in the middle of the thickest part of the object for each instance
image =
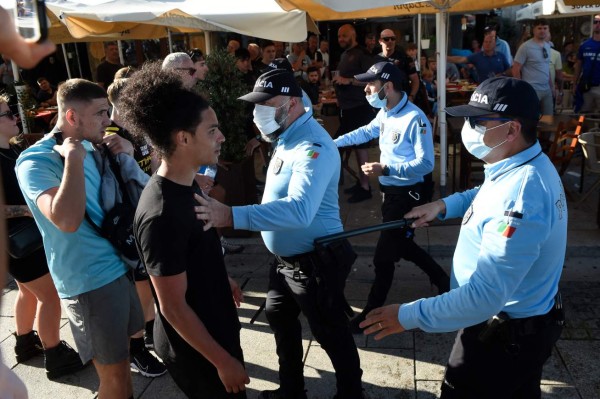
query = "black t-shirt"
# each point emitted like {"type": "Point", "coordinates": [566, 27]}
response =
{"type": "Point", "coordinates": [105, 73]}
{"type": "Point", "coordinates": [12, 192]}
{"type": "Point", "coordinates": [403, 62]}
{"type": "Point", "coordinates": [352, 62]}
{"type": "Point", "coordinates": [142, 151]}
{"type": "Point", "coordinates": [312, 89]}
{"type": "Point", "coordinates": [172, 241]}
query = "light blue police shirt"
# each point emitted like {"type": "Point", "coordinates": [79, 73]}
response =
{"type": "Point", "coordinates": [405, 141]}
{"type": "Point", "coordinates": [300, 201]}
{"type": "Point", "coordinates": [510, 251]}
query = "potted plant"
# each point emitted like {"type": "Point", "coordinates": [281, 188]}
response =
{"type": "Point", "coordinates": [222, 86]}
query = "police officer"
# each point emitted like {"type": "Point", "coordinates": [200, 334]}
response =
{"type": "Point", "coordinates": [508, 258]}
{"type": "Point", "coordinates": [406, 145]}
{"type": "Point", "coordinates": [300, 203]}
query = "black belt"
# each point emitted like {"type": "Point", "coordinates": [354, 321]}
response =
{"type": "Point", "coordinates": [399, 190]}
{"type": "Point", "coordinates": [305, 262]}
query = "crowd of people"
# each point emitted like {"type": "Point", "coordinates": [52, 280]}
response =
{"type": "Point", "coordinates": [140, 139]}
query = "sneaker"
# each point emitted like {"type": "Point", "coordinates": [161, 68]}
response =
{"type": "Point", "coordinates": [61, 360]}
{"type": "Point", "coordinates": [146, 364]}
{"type": "Point", "coordinates": [352, 189]}
{"type": "Point", "coordinates": [27, 346]}
{"type": "Point", "coordinates": [229, 248]}
{"type": "Point", "coordinates": [277, 394]}
{"type": "Point", "coordinates": [360, 195]}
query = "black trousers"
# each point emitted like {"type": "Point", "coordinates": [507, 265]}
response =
{"type": "Point", "coordinates": [498, 369]}
{"type": "Point", "coordinates": [399, 243]}
{"type": "Point", "coordinates": [289, 294]}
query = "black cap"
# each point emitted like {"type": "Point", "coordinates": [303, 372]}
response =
{"type": "Point", "coordinates": [501, 95]}
{"type": "Point", "coordinates": [384, 71]}
{"type": "Point", "coordinates": [278, 82]}
{"type": "Point", "coordinates": [281, 63]}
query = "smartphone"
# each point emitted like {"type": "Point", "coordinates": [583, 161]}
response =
{"type": "Point", "coordinates": [30, 19]}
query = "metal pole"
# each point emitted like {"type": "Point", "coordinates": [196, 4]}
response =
{"type": "Point", "coordinates": [441, 28]}
{"type": "Point", "coordinates": [207, 42]}
{"type": "Point", "coordinates": [20, 90]}
{"type": "Point", "coordinates": [418, 40]}
{"type": "Point", "coordinates": [78, 61]}
{"type": "Point", "coordinates": [121, 58]}
{"type": "Point", "coordinates": [170, 40]}
{"type": "Point", "coordinates": [64, 49]}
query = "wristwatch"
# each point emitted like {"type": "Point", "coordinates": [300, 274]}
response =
{"type": "Point", "coordinates": [385, 171]}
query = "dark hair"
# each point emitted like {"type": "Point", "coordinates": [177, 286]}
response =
{"type": "Point", "coordinates": [112, 43]}
{"type": "Point", "coordinates": [538, 22]}
{"type": "Point", "coordinates": [242, 54]}
{"type": "Point", "coordinates": [490, 28]}
{"type": "Point", "coordinates": [528, 128]}
{"type": "Point", "coordinates": [124, 72]}
{"type": "Point", "coordinates": [196, 54]}
{"type": "Point", "coordinates": [78, 90]}
{"type": "Point", "coordinates": [266, 43]}
{"type": "Point", "coordinates": [370, 36]}
{"type": "Point", "coordinates": [156, 105]}
{"type": "Point", "coordinates": [311, 69]}
{"type": "Point", "coordinates": [41, 78]}
{"type": "Point", "coordinates": [411, 46]}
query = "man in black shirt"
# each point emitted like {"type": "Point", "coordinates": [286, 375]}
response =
{"type": "Point", "coordinates": [105, 73]}
{"type": "Point", "coordinates": [197, 332]}
{"type": "Point", "coordinates": [398, 57]}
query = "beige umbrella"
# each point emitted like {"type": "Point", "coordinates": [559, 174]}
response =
{"type": "Point", "coordinates": [322, 10]}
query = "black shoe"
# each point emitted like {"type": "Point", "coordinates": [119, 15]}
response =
{"type": "Point", "coordinates": [149, 340]}
{"type": "Point", "coordinates": [229, 248]}
{"type": "Point", "coordinates": [27, 346]}
{"type": "Point", "coordinates": [352, 189]}
{"type": "Point", "coordinates": [61, 360]}
{"type": "Point", "coordinates": [146, 364]}
{"type": "Point", "coordinates": [360, 195]}
{"type": "Point", "coordinates": [277, 394]}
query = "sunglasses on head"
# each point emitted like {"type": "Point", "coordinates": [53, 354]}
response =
{"type": "Point", "coordinates": [389, 38]}
{"type": "Point", "coordinates": [544, 52]}
{"type": "Point", "coordinates": [8, 114]}
{"type": "Point", "coordinates": [191, 71]}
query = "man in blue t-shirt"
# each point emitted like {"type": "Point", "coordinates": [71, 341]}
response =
{"type": "Point", "coordinates": [587, 70]}
{"type": "Point", "coordinates": [488, 63]}
{"type": "Point", "coordinates": [61, 185]}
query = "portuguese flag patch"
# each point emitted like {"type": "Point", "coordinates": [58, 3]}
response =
{"type": "Point", "coordinates": [506, 230]}
{"type": "Point", "coordinates": [312, 154]}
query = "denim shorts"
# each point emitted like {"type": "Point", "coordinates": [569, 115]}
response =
{"type": "Point", "coordinates": [102, 320]}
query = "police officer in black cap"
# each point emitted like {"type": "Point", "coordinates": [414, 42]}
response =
{"type": "Point", "coordinates": [300, 203]}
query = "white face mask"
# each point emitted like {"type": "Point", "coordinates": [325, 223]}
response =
{"type": "Point", "coordinates": [472, 139]}
{"type": "Point", "coordinates": [266, 122]}
{"type": "Point", "coordinates": [375, 100]}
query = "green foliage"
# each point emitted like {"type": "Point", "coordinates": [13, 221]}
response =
{"type": "Point", "coordinates": [223, 85]}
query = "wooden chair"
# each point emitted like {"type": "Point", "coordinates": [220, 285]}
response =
{"type": "Point", "coordinates": [590, 144]}
{"type": "Point", "coordinates": [564, 143]}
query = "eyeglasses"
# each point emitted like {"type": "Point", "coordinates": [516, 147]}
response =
{"type": "Point", "coordinates": [596, 21]}
{"type": "Point", "coordinates": [479, 120]}
{"type": "Point", "coordinates": [389, 38]}
{"type": "Point", "coordinates": [191, 71]}
{"type": "Point", "coordinates": [8, 114]}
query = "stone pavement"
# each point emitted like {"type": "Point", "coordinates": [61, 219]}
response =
{"type": "Point", "coordinates": [409, 365]}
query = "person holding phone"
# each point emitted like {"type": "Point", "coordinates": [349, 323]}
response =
{"type": "Point", "coordinates": [24, 52]}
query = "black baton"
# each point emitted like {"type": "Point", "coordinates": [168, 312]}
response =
{"type": "Point", "coordinates": [395, 224]}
